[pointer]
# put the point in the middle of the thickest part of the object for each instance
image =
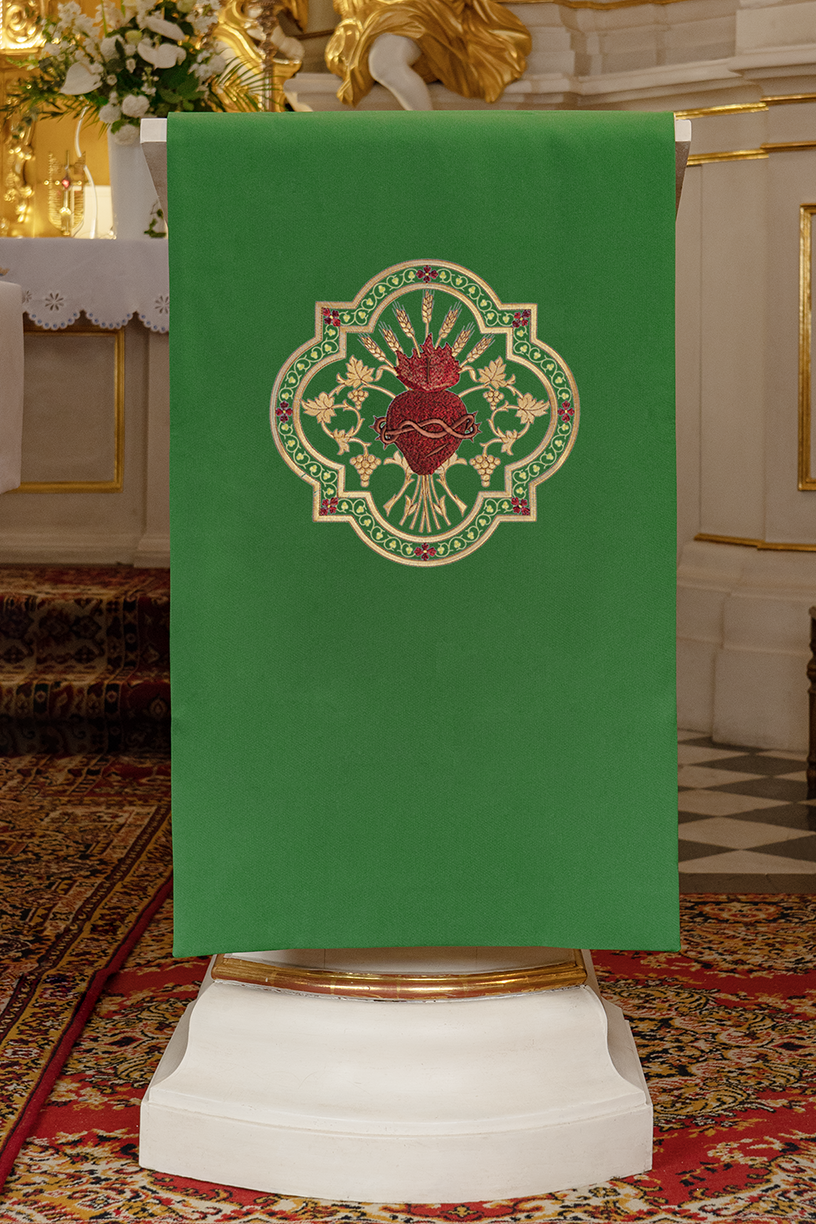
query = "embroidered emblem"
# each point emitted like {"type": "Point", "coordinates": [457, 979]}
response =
{"type": "Point", "coordinates": [425, 412]}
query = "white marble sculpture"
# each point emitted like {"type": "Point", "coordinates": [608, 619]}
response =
{"type": "Point", "coordinates": [390, 62]}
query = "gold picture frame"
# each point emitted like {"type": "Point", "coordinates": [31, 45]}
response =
{"type": "Point", "coordinates": [91, 486]}
{"type": "Point", "coordinates": [807, 477]}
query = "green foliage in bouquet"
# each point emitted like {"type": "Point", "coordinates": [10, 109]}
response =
{"type": "Point", "coordinates": [143, 58]}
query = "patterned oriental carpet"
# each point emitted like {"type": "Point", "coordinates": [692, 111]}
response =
{"type": "Point", "coordinates": [724, 1029]}
{"type": "Point", "coordinates": [84, 865]}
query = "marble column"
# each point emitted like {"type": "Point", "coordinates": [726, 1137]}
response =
{"type": "Point", "coordinates": [747, 573]}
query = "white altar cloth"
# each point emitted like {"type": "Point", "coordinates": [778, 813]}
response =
{"type": "Point", "coordinates": [109, 280]}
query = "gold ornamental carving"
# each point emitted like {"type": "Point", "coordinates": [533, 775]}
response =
{"type": "Point", "coordinates": [474, 47]}
{"type": "Point", "coordinates": [252, 29]}
{"type": "Point", "coordinates": [19, 35]}
{"type": "Point", "coordinates": [20, 26]}
{"type": "Point", "coordinates": [19, 151]}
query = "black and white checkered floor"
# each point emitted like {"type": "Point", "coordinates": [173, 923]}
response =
{"type": "Point", "coordinates": [745, 824]}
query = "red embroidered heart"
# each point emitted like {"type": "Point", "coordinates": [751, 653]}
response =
{"type": "Point", "coordinates": [427, 426]}
{"type": "Point", "coordinates": [427, 422]}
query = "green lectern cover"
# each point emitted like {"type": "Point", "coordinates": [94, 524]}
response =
{"type": "Point", "coordinates": [423, 529]}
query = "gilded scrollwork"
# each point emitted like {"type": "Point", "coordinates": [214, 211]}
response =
{"type": "Point", "coordinates": [235, 28]}
{"type": "Point", "coordinates": [20, 34]}
{"type": "Point", "coordinates": [20, 28]}
{"type": "Point", "coordinates": [252, 31]}
{"type": "Point", "coordinates": [19, 151]}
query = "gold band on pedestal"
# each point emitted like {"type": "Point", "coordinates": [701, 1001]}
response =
{"type": "Point", "coordinates": [417, 986]}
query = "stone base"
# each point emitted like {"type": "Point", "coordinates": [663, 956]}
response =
{"type": "Point", "coordinates": [368, 1101]}
{"type": "Point", "coordinates": [743, 631]}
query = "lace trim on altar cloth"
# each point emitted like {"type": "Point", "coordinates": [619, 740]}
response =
{"type": "Point", "coordinates": [109, 281]}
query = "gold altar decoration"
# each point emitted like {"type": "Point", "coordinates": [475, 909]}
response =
{"type": "Point", "coordinates": [474, 47]}
{"type": "Point", "coordinates": [26, 152]}
{"type": "Point", "coordinates": [246, 27]}
{"type": "Point", "coordinates": [20, 26]}
{"type": "Point", "coordinates": [18, 154]}
{"type": "Point", "coordinates": [233, 28]}
{"type": "Point", "coordinates": [66, 193]}
{"type": "Point", "coordinates": [28, 144]}
{"type": "Point", "coordinates": [19, 36]}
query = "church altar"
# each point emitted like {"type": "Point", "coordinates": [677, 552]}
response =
{"type": "Point", "coordinates": [95, 429]}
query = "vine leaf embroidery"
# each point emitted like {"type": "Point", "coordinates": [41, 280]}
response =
{"type": "Point", "coordinates": [528, 408]}
{"type": "Point", "coordinates": [322, 407]}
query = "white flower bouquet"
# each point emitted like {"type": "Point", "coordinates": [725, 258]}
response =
{"type": "Point", "coordinates": [147, 57]}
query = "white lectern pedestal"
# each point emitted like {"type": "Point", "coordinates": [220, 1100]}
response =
{"type": "Point", "coordinates": [368, 1099]}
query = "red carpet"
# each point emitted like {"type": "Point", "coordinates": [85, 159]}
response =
{"type": "Point", "coordinates": [84, 864]}
{"type": "Point", "coordinates": [725, 1031]}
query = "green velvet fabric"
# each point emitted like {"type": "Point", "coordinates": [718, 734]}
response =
{"type": "Point", "coordinates": [368, 753]}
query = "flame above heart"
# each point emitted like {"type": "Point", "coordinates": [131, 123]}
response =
{"type": "Point", "coordinates": [429, 369]}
